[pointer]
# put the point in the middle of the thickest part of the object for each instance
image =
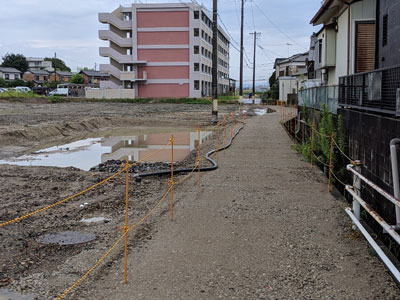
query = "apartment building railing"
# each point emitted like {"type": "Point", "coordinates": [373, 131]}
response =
{"type": "Point", "coordinates": [377, 91]}
{"type": "Point", "coordinates": [317, 97]}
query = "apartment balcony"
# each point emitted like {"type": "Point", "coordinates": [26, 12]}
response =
{"type": "Point", "coordinates": [122, 75]}
{"type": "Point", "coordinates": [375, 91]}
{"type": "Point", "coordinates": [107, 18]}
{"type": "Point", "coordinates": [122, 59]}
{"type": "Point", "coordinates": [108, 35]}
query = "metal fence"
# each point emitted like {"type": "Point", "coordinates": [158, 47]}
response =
{"type": "Point", "coordinates": [317, 97]}
{"type": "Point", "coordinates": [377, 91]}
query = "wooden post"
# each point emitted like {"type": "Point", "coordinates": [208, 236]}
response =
{"type": "Point", "coordinates": [224, 132]}
{"type": "Point", "coordinates": [302, 132]}
{"type": "Point", "coordinates": [295, 127]}
{"type": "Point", "coordinates": [330, 162]}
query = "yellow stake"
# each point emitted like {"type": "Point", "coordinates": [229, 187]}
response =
{"type": "Point", "coordinates": [172, 177]}
{"type": "Point", "coordinates": [312, 144]}
{"type": "Point", "coordinates": [330, 162]}
{"type": "Point", "coordinates": [198, 156]}
{"type": "Point", "coordinates": [126, 219]}
{"type": "Point", "coordinates": [224, 132]}
{"type": "Point", "coordinates": [219, 133]}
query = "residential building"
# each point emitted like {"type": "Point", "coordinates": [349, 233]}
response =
{"type": "Point", "coordinates": [163, 50]}
{"type": "Point", "coordinates": [290, 73]}
{"type": "Point", "coordinates": [38, 77]}
{"type": "Point", "coordinates": [9, 74]}
{"type": "Point", "coordinates": [38, 63]}
{"type": "Point", "coordinates": [388, 29]}
{"type": "Point", "coordinates": [94, 77]}
{"type": "Point", "coordinates": [61, 76]}
{"type": "Point", "coordinates": [346, 42]}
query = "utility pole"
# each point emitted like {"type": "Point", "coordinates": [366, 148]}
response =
{"type": "Point", "coordinates": [241, 56]}
{"type": "Point", "coordinates": [54, 66]}
{"type": "Point", "coordinates": [256, 34]}
{"type": "Point", "coordinates": [215, 63]}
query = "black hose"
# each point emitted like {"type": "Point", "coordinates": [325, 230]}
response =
{"type": "Point", "coordinates": [203, 169]}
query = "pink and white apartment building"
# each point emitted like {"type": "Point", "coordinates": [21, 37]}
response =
{"type": "Point", "coordinates": [163, 50]}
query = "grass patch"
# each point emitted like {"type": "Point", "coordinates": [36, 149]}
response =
{"type": "Point", "coordinates": [15, 94]}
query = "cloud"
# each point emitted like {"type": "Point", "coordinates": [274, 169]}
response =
{"type": "Point", "coordinates": [70, 28]}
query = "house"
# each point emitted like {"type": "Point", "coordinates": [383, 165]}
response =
{"type": "Point", "coordinates": [346, 42]}
{"type": "Point", "coordinates": [163, 50]}
{"type": "Point", "coordinates": [94, 77]}
{"type": "Point", "coordinates": [388, 29]}
{"type": "Point", "coordinates": [61, 76]}
{"type": "Point", "coordinates": [38, 63]}
{"type": "Point", "coordinates": [38, 77]}
{"type": "Point", "coordinates": [290, 73]}
{"type": "Point", "coordinates": [9, 74]}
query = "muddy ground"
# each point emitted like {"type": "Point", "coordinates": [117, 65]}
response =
{"type": "Point", "coordinates": [25, 264]}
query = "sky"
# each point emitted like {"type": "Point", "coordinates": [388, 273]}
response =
{"type": "Point", "coordinates": [40, 28]}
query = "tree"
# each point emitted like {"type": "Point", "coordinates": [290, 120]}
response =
{"type": "Point", "coordinates": [77, 79]}
{"type": "Point", "coordinates": [17, 61]}
{"type": "Point", "coordinates": [60, 64]}
{"type": "Point", "coordinates": [3, 83]}
{"type": "Point", "coordinates": [273, 87]}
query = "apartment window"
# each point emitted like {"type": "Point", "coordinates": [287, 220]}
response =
{"type": "Point", "coordinates": [196, 32]}
{"type": "Point", "coordinates": [320, 51]}
{"type": "Point", "coordinates": [196, 14]}
{"type": "Point", "coordinates": [36, 77]}
{"type": "Point", "coordinates": [196, 85]}
{"type": "Point", "coordinates": [127, 16]}
{"type": "Point", "coordinates": [385, 30]}
{"type": "Point", "coordinates": [196, 67]}
{"type": "Point", "coordinates": [16, 76]}
{"type": "Point", "coordinates": [196, 49]}
{"type": "Point", "coordinates": [7, 76]}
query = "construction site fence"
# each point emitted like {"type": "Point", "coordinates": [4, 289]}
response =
{"type": "Point", "coordinates": [223, 135]}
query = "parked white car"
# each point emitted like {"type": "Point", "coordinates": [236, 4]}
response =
{"type": "Point", "coordinates": [59, 92]}
{"type": "Point", "coordinates": [22, 89]}
{"type": "Point", "coordinates": [3, 90]}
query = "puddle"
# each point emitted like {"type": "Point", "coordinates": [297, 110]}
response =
{"type": "Point", "coordinates": [95, 220]}
{"type": "Point", "coordinates": [9, 295]}
{"type": "Point", "coordinates": [260, 112]}
{"type": "Point", "coordinates": [87, 153]}
{"type": "Point", "coordinates": [67, 238]}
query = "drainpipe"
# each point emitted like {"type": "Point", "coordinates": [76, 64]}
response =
{"type": "Point", "coordinates": [395, 174]}
{"type": "Point", "coordinates": [348, 37]}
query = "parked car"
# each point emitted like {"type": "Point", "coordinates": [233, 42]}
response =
{"type": "Point", "coordinates": [22, 89]}
{"type": "Point", "coordinates": [3, 90]}
{"type": "Point", "coordinates": [41, 90]}
{"type": "Point", "coordinates": [59, 92]}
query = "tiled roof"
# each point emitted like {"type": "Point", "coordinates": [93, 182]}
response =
{"type": "Point", "coordinates": [9, 70]}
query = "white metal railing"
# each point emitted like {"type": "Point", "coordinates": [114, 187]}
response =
{"type": "Point", "coordinates": [355, 214]}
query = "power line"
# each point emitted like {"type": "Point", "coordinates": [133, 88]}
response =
{"type": "Point", "coordinates": [277, 27]}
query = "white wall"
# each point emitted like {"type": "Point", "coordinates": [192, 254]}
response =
{"type": "Point", "coordinates": [286, 86]}
{"type": "Point", "coordinates": [111, 94]}
{"type": "Point", "coordinates": [341, 46]}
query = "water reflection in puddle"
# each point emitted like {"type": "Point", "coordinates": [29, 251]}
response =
{"type": "Point", "coordinates": [84, 154]}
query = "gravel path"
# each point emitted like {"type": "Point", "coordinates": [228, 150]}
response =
{"type": "Point", "coordinates": [260, 227]}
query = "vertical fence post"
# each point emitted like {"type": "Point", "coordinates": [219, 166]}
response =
{"type": "Point", "coordinates": [295, 127]}
{"type": "Point", "coordinates": [302, 131]}
{"type": "Point", "coordinates": [172, 178]}
{"type": "Point", "coordinates": [330, 162]}
{"type": "Point", "coordinates": [224, 132]}
{"type": "Point", "coordinates": [219, 134]}
{"type": "Point", "coordinates": [357, 188]}
{"type": "Point", "coordinates": [312, 143]}
{"type": "Point", "coordinates": [198, 156]}
{"type": "Point", "coordinates": [126, 220]}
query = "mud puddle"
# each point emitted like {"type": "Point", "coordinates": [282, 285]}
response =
{"type": "Point", "coordinates": [119, 145]}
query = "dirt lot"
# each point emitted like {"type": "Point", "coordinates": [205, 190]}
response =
{"type": "Point", "coordinates": [260, 227]}
{"type": "Point", "coordinates": [27, 265]}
